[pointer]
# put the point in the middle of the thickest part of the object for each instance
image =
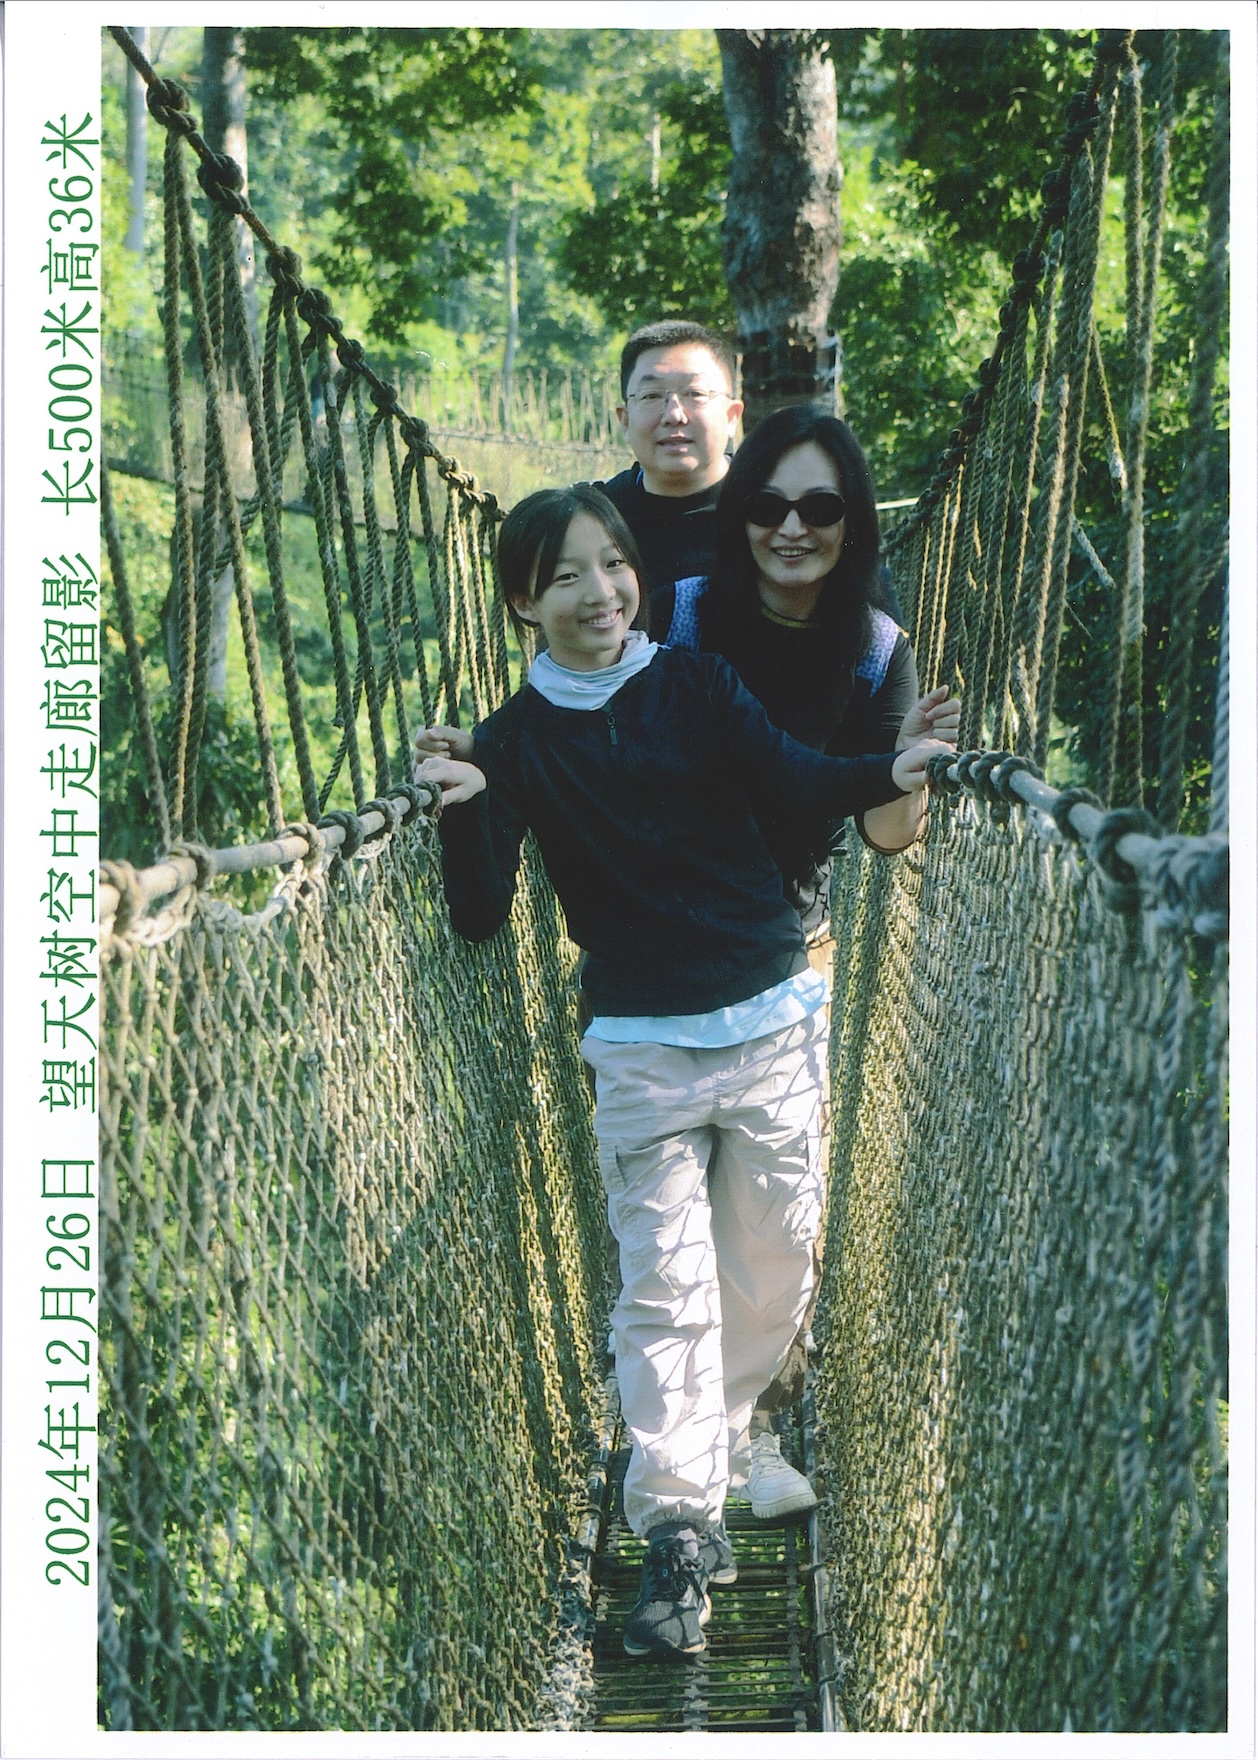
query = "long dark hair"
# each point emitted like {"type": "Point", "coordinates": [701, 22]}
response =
{"type": "Point", "coordinates": [851, 587]}
{"type": "Point", "coordinates": [532, 535]}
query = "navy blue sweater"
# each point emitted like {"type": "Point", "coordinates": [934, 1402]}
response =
{"type": "Point", "coordinates": [644, 814]}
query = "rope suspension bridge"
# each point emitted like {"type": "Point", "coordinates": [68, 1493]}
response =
{"type": "Point", "coordinates": [358, 1454]}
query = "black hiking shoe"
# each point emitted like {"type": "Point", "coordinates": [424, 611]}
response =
{"type": "Point", "coordinates": [672, 1606]}
{"type": "Point", "coordinates": [716, 1555]}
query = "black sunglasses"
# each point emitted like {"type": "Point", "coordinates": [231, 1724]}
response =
{"type": "Point", "coordinates": [823, 507]}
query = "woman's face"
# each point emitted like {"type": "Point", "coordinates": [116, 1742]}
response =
{"type": "Point", "coordinates": [793, 558]}
{"type": "Point", "coordinates": [587, 606]}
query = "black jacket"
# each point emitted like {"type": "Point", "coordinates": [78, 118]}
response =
{"type": "Point", "coordinates": [676, 534]}
{"type": "Point", "coordinates": [645, 816]}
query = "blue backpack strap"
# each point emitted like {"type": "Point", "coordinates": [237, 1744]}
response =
{"type": "Point", "coordinates": [683, 631]}
{"type": "Point", "coordinates": [875, 660]}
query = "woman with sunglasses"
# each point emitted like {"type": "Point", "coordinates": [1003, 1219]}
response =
{"type": "Point", "coordinates": [794, 604]}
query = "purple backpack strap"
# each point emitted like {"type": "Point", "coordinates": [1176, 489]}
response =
{"type": "Point", "coordinates": [875, 660]}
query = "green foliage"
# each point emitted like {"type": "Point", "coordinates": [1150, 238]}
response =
{"type": "Point", "coordinates": [398, 203]}
{"type": "Point", "coordinates": [647, 253]}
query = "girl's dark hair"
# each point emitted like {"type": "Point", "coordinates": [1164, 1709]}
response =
{"type": "Point", "coordinates": [852, 586]}
{"type": "Point", "coordinates": [531, 538]}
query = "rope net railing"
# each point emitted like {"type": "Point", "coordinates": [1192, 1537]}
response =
{"type": "Point", "coordinates": [354, 1281]}
{"type": "Point", "coordinates": [353, 1297]}
{"type": "Point", "coordinates": [1023, 1381]}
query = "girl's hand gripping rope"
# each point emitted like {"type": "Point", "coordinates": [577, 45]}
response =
{"type": "Point", "coordinates": [937, 715]}
{"type": "Point", "coordinates": [458, 782]}
{"type": "Point", "coordinates": [909, 770]}
{"type": "Point", "coordinates": [442, 742]}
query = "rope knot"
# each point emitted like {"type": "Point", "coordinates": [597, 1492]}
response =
{"type": "Point", "coordinates": [350, 824]}
{"type": "Point", "coordinates": [390, 810]}
{"type": "Point", "coordinates": [126, 883]}
{"type": "Point", "coordinates": [170, 105]}
{"type": "Point", "coordinates": [284, 266]}
{"type": "Point", "coordinates": [1186, 885]}
{"type": "Point", "coordinates": [1055, 189]}
{"type": "Point", "coordinates": [1112, 45]}
{"type": "Point", "coordinates": [199, 854]}
{"type": "Point", "coordinates": [384, 396]}
{"type": "Point", "coordinates": [1002, 775]}
{"type": "Point", "coordinates": [1060, 810]}
{"type": "Point", "coordinates": [1119, 880]}
{"type": "Point", "coordinates": [415, 797]}
{"type": "Point", "coordinates": [350, 353]}
{"type": "Point", "coordinates": [989, 371]}
{"type": "Point", "coordinates": [315, 306]}
{"type": "Point", "coordinates": [1028, 270]}
{"type": "Point", "coordinates": [415, 433]}
{"type": "Point", "coordinates": [314, 864]}
{"type": "Point", "coordinates": [222, 179]}
{"type": "Point", "coordinates": [937, 773]}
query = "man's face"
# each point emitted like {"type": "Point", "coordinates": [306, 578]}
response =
{"type": "Point", "coordinates": [678, 415]}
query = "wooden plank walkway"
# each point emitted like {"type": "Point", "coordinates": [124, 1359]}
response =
{"type": "Point", "coordinates": [758, 1670]}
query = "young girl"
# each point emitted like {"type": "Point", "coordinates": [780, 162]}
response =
{"type": "Point", "coordinates": [640, 771]}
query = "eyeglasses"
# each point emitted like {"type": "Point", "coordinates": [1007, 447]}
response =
{"type": "Point", "coordinates": [693, 397]}
{"type": "Point", "coordinates": [822, 507]}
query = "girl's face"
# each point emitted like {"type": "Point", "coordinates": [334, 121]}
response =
{"type": "Point", "coordinates": [587, 606]}
{"type": "Point", "coordinates": [794, 557]}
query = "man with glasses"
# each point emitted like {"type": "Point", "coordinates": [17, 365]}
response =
{"type": "Point", "coordinates": [679, 412]}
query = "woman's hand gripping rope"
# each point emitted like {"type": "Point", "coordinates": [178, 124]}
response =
{"type": "Point", "coordinates": [909, 770]}
{"type": "Point", "coordinates": [937, 715]}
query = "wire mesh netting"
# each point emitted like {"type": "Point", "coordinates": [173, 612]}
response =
{"type": "Point", "coordinates": [352, 1287]}
{"type": "Point", "coordinates": [354, 1266]}
{"type": "Point", "coordinates": [1023, 1384]}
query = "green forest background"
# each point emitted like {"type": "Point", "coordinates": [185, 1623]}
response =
{"type": "Point", "coordinates": [392, 160]}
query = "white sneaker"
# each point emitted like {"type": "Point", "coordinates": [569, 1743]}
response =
{"type": "Point", "coordinates": [773, 1485]}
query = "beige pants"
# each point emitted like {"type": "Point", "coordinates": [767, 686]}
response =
{"type": "Point", "coordinates": [711, 1160]}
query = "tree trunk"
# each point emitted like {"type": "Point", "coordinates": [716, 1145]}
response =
{"type": "Point", "coordinates": [782, 217]}
{"type": "Point", "coordinates": [137, 145]}
{"type": "Point", "coordinates": [513, 305]}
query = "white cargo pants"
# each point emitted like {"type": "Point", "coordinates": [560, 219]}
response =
{"type": "Point", "coordinates": [712, 1164]}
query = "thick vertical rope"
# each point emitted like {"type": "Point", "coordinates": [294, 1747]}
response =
{"type": "Point", "coordinates": [438, 591]}
{"type": "Point", "coordinates": [336, 394]}
{"type": "Point", "coordinates": [183, 586]}
{"type": "Point", "coordinates": [1010, 706]}
{"type": "Point", "coordinates": [368, 429]}
{"type": "Point", "coordinates": [299, 393]}
{"type": "Point", "coordinates": [210, 338]}
{"type": "Point", "coordinates": [1095, 157]}
{"type": "Point", "coordinates": [1219, 768]}
{"type": "Point", "coordinates": [1186, 573]}
{"type": "Point", "coordinates": [268, 461]}
{"type": "Point", "coordinates": [982, 713]}
{"type": "Point", "coordinates": [405, 598]}
{"type": "Point", "coordinates": [135, 660]}
{"type": "Point", "coordinates": [1125, 733]}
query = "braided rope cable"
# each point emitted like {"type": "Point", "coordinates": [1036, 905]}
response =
{"type": "Point", "coordinates": [1096, 160]}
{"type": "Point", "coordinates": [1123, 766]}
{"type": "Point", "coordinates": [336, 395]}
{"type": "Point", "coordinates": [269, 451]}
{"type": "Point", "coordinates": [135, 659]}
{"type": "Point", "coordinates": [1187, 579]}
{"type": "Point", "coordinates": [1219, 766]}
{"type": "Point", "coordinates": [183, 544]}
